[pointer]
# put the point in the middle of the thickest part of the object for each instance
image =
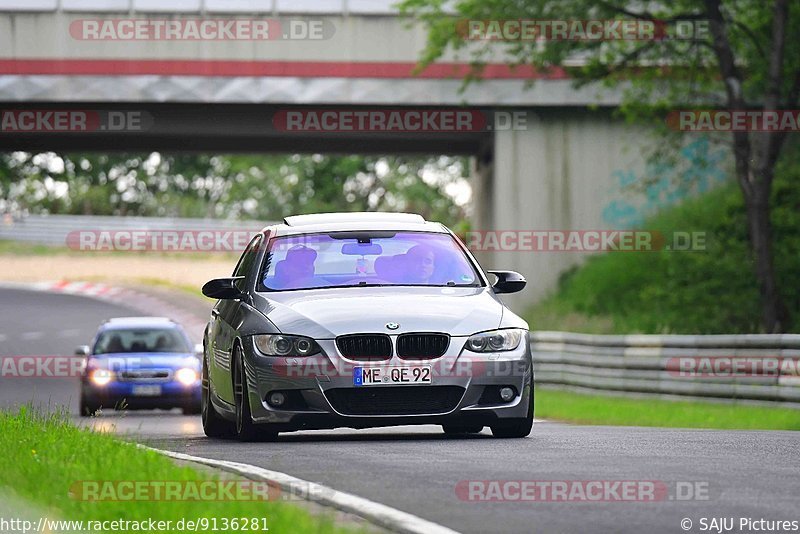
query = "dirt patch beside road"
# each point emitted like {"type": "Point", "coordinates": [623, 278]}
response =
{"type": "Point", "coordinates": [185, 273]}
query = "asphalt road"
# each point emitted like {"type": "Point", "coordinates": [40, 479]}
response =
{"type": "Point", "coordinates": [417, 469]}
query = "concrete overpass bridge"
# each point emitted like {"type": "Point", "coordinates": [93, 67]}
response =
{"type": "Point", "coordinates": [564, 169]}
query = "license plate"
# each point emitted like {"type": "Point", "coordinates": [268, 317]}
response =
{"type": "Point", "coordinates": [381, 376]}
{"type": "Point", "coordinates": [147, 391]}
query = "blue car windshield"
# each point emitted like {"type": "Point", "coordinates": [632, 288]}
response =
{"type": "Point", "coordinates": [119, 340]}
{"type": "Point", "coordinates": [348, 259]}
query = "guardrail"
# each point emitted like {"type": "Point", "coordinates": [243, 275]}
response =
{"type": "Point", "coordinates": [758, 367]}
{"type": "Point", "coordinates": [54, 229]}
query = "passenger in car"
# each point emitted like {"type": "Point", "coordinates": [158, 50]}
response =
{"type": "Point", "coordinates": [162, 344]}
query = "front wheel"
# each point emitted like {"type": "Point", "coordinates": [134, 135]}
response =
{"type": "Point", "coordinates": [192, 409]}
{"type": "Point", "coordinates": [518, 427]}
{"type": "Point", "coordinates": [86, 408]}
{"type": "Point", "coordinates": [214, 425]}
{"type": "Point", "coordinates": [515, 428]}
{"type": "Point", "coordinates": [246, 430]}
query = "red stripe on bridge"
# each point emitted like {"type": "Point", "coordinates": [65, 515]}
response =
{"type": "Point", "coordinates": [294, 69]}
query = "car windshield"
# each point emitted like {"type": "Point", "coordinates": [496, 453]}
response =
{"type": "Point", "coordinates": [344, 259]}
{"type": "Point", "coordinates": [118, 340]}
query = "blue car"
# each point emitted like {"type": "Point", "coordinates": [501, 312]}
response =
{"type": "Point", "coordinates": [140, 363]}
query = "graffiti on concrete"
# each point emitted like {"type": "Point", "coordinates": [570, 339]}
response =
{"type": "Point", "coordinates": [698, 168]}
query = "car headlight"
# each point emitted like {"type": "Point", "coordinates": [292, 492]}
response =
{"type": "Point", "coordinates": [101, 377]}
{"type": "Point", "coordinates": [186, 376]}
{"type": "Point", "coordinates": [496, 340]}
{"type": "Point", "coordinates": [283, 345]}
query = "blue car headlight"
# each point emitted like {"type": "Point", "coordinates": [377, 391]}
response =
{"type": "Point", "coordinates": [101, 377]}
{"type": "Point", "coordinates": [496, 340]}
{"type": "Point", "coordinates": [186, 376]}
{"type": "Point", "coordinates": [284, 345]}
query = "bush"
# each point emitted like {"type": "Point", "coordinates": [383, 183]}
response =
{"type": "Point", "coordinates": [691, 292]}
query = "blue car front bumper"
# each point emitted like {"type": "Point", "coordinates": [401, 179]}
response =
{"type": "Point", "coordinates": [142, 394]}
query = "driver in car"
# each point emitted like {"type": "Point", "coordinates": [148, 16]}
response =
{"type": "Point", "coordinates": [420, 263]}
{"type": "Point", "coordinates": [297, 269]}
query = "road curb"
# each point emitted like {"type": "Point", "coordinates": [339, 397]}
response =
{"type": "Point", "coordinates": [379, 514]}
{"type": "Point", "coordinates": [139, 300]}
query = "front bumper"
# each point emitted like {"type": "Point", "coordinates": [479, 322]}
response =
{"type": "Point", "coordinates": [320, 392]}
{"type": "Point", "coordinates": [123, 394]}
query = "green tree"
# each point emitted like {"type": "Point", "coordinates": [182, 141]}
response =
{"type": "Point", "coordinates": [263, 187]}
{"type": "Point", "coordinates": [749, 60]}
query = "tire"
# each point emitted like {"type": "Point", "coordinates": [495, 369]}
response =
{"type": "Point", "coordinates": [461, 429]}
{"type": "Point", "coordinates": [194, 409]}
{"type": "Point", "coordinates": [245, 429]}
{"type": "Point", "coordinates": [518, 427]}
{"type": "Point", "coordinates": [214, 425]}
{"type": "Point", "coordinates": [87, 408]}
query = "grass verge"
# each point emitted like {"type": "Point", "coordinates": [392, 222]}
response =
{"type": "Point", "coordinates": [44, 456]}
{"type": "Point", "coordinates": [23, 248]}
{"type": "Point", "coordinates": [610, 410]}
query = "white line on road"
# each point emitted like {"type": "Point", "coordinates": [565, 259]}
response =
{"type": "Point", "coordinates": [377, 513]}
{"type": "Point", "coordinates": [28, 336]}
{"type": "Point", "coordinates": [3, 337]}
{"type": "Point", "coordinates": [70, 332]}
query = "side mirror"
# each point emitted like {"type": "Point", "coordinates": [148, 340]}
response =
{"type": "Point", "coordinates": [508, 281]}
{"type": "Point", "coordinates": [198, 350]}
{"type": "Point", "coordinates": [82, 350]}
{"type": "Point", "coordinates": [223, 288]}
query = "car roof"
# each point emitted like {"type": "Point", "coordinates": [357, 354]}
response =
{"type": "Point", "coordinates": [139, 322]}
{"type": "Point", "coordinates": [354, 221]}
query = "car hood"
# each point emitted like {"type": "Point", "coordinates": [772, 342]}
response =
{"type": "Point", "coordinates": [144, 360]}
{"type": "Point", "coordinates": [327, 313]}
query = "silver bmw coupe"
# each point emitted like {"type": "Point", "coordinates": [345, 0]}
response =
{"type": "Point", "coordinates": [363, 320]}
